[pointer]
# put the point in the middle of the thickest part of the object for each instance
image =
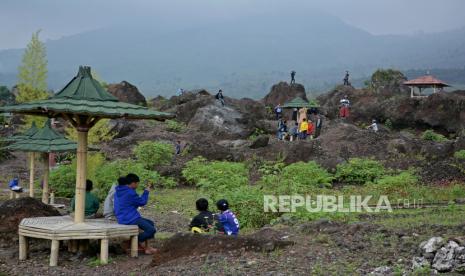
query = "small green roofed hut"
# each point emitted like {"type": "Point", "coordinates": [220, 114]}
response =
{"type": "Point", "coordinates": [83, 102]}
{"type": "Point", "coordinates": [298, 102]}
{"type": "Point", "coordinates": [44, 141]}
{"type": "Point", "coordinates": [28, 133]}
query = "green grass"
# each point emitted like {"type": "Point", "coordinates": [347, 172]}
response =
{"type": "Point", "coordinates": [181, 200]}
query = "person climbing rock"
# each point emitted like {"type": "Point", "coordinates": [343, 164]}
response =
{"type": "Point", "coordinates": [344, 107]}
{"type": "Point", "coordinates": [292, 77]}
{"type": "Point", "coordinates": [219, 97]}
{"type": "Point", "coordinates": [346, 79]}
{"type": "Point", "coordinates": [373, 126]}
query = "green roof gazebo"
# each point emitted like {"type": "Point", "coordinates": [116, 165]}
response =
{"type": "Point", "coordinates": [45, 141]}
{"type": "Point", "coordinates": [28, 133]}
{"type": "Point", "coordinates": [83, 102]}
{"type": "Point", "coordinates": [298, 102]}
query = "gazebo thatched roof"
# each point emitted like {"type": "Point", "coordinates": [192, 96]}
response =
{"type": "Point", "coordinates": [298, 102]}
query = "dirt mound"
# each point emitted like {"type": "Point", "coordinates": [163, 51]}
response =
{"type": "Point", "coordinates": [13, 211]}
{"type": "Point", "coordinates": [282, 92]}
{"type": "Point", "coordinates": [127, 93]}
{"type": "Point", "coordinates": [188, 244]}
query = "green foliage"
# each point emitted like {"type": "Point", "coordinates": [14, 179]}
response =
{"type": "Point", "coordinates": [63, 180]}
{"type": "Point", "coordinates": [152, 154]}
{"type": "Point", "coordinates": [215, 175]}
{"type": "Point", "coordinates": [108, 173]}
{"type": "Point", "coordinates": [388, 124]}
{"type": "Point", "coordinates": [101, 132]}
{"type": "Point", "coordinates": [5, 95]}
{"type": "Point", "coordinates": [167, 182]}
{"type": "Point", "coordinates": [300, 177]}
{"type": "Point", "coordinates": [460, 154]}
{"type": "Point", "coordinates": [175, 126]}
{"type": "Point", "coordinates": [257, 132]}
{"type": "Point", "coordinates": [386, 78]}
{"type": "Point", "coordinates": [430, 135]}
{"type": "Point", "coordinates": [359, 171]}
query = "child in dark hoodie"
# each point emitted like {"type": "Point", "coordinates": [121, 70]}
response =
{"type": "Point", "coordinates": [204, 220]}
{"type": "Point", "coordinates": [126, 203]}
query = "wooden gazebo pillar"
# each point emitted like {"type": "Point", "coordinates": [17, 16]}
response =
{"type": "Point", "coordinates": [81, 175]}
{"type": "Point", "coordinates": [31, 173]}
{"type": "Point", "coordinates": [45, 189]}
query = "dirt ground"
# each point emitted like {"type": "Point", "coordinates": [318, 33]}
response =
{"type": "Point", "coordinates": [321, 247]}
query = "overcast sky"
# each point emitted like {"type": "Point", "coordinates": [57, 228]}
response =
{"type": "Point", "coordinates": [57, 18]}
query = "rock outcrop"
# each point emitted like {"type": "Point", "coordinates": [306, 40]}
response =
{"type": "Point", "coordinates": [283, 92]}
{"type": "Point", "coordinates": [127, 93]}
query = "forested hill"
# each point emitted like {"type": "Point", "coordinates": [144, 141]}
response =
{"type": "Point", "coordinates": [244, 57]}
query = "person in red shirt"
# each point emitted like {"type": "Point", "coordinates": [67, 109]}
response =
{"type": "Point", "coordinates": [310, 129]}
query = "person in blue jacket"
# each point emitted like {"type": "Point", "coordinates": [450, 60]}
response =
{"type": "Point", "coordinates": [227, 219]}
{"type": "Point", "coordinates": [126, 203]}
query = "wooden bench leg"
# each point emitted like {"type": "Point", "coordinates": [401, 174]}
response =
{"type": "Point", "coordinates": [134, 246]}
{"type": "Point", "coordinates": [104, 251]}
{"type": "Point", "coordinates": [12, 194]}
{"type": "Point", "coordinates": [54, 252]}
{"type": "Point", "coordinates": [23, 248]}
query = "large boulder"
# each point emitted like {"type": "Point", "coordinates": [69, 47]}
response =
{"type": "Point", "coordinates": [282, 92]}
{"type": "Point", "coordinates": [127, 93]}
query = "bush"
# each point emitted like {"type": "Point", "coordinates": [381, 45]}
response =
{"type": "Point", "coordinates": [215, 175]}
{"type": "Point", "coordinates": [62, 180]}
{"type": "Point", "coordinates": [175, 126]}
{"type": "Point", "coordinates": [300, 177]}
{"type": "Point", "coordinates": [460, 154]}
{"type": "Point", "coordinates": [430, 135]}
{"type": "Point", "coordinates": [101, 132]}
{"type": "Point", "coordinates": [108, 174]}
{"type": "Point", "coordinates": [152, 154]}
{"type": "Point", "coordinates": [358, 171]}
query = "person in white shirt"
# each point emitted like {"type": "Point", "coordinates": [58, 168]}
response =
{"type": "Point", "coordinates": [373, 126]}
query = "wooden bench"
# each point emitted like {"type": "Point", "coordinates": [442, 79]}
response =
{"type": "Point", "coordinates": [63, 228]}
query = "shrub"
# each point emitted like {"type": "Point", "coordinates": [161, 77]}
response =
{"type": "Point", "coordinates": [62, 180]}
{"type": "Point", "coordinates": [388, 124]}
{"type": "Point", "coordinates": [108, 174]}
{"type": "Point", "coordinates": [358, 171]}
{"type": "Point", "coordinates": [460, 154]}
{"type": "Point", "coordinates": [175, 126]}
{"type": "Point", "coordinates": [101, 132]}
{"type": "Point", "coordinates": [152, 154]}
{"type": "Point", "coordinates": [215, 175]}
{"type": "Point", "coordinates": [300, 176]}
{"type": "Point", "coordinates": [430, 135]}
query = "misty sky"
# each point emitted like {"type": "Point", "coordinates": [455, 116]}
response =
{"type": "Point", "coordinates": [57, 18]}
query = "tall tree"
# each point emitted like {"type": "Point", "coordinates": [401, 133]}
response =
{"type": "Point", "coordinates": [32, 76]}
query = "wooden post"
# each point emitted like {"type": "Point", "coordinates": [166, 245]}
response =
{"type": "Point", "coordinates": [134, 246]}
{"type": "Point", "coordinates": [23, 248]}
{"type": "Point", "coordinates": [104, 251]}
{"type": "Point", "coordinates": [31, 174]}
{"type": "Point", "coordinates": [45, 192]}
{"type": "Point", "coordinates": [52, 198]}
{"type": "Point", "coordinates": [54, 252]}
{"type": "Point", "coordinates": [81, 175]}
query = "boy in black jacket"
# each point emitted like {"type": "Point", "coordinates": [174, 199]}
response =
{"type": "Point", "coordinates": [204, 220]}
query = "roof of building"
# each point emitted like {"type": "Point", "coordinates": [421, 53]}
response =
{"type": "Point", "coordinates": [426, 81]}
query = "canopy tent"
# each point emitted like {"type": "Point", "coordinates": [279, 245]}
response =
{"type": "Point", "coordinates": [82, 102]}
{"type": "Point", "coordinates": [298, 102]}
{"type": "Point", "coordinates": [28, 133]}
{"type": "Point", "coordinates": [45, 141]}
{"type": "Point", "coordinates": [424, 83]}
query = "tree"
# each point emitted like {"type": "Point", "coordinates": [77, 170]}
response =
{"type": "Point", "coordinates": [6, 97]}
{"type": "Point", "coordinates": [32, 76]}
{"type": "Point", "coordinates": [101, 132]}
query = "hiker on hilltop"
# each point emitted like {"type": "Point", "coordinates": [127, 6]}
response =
{"type": "Point", "coordinates": [346, 79]}
{"type": "Point", "coordinates": [373, 126]}
{"type": "Point", "coordinates": [292, 77]}
{"type": "Point", "coordinates": [344, 107]}
{"type": "Point", "coordinates": [278, 110]}
{"type": "Point", "coordinates": [219, 97]}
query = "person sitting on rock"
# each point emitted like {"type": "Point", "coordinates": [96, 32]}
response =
{"type": "Point", "coordinates": [303, 129]}
{"type": "Point", "coordinates": [219, 96]}
{"type": "Point", "coordinates": [373, 126]}
{"type": "Point", "coordinates": [229, 223]}
{"type": "Point", "coordinates": [14, 185]}
{"type": "Point", "coordinates": [278, 110]}
{"type": "Point", "coordinates": [126, 203]}
{"type": "Point", "coordinates": [282, 131]}
{"type": "Point", "coordinates": [204, 220]}
{"type": "Point", "coordinates": [92, 202]}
